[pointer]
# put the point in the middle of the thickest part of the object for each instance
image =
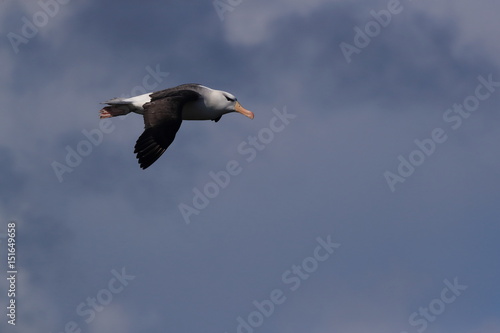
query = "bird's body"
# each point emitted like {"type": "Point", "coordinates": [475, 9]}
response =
{"type": "Point", "coordinates": [164, 111]}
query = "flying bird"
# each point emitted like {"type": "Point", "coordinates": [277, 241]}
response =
{"type": "Point", "coordinates": [165, 110]}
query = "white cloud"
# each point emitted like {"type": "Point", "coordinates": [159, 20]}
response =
{"type": "Point", "coordinates": [43, 19]}
{"type": "Point", "coordinates": [249, 22]}
{"type": "Point", "coordinates": [114, 318]}
{"type": "Point", "coordinates": [36, 310]}
{"type": "Point", "coordinates": [477, 23]}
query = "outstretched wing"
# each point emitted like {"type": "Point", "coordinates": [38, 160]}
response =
{"type": "Point", "coordinates": [162, 120]}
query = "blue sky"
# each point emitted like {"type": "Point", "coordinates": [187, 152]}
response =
{"type": "Point", "coordinates": [361, 198]}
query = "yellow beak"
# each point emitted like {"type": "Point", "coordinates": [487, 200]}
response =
{"type": "Point", "coordinates": [243, 111]}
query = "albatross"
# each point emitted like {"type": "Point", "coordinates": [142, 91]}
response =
{"type": "Point", "coordinates": [165, 110]}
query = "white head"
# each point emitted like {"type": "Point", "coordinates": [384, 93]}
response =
{"type": "Point", "coordinates": [227, 102]}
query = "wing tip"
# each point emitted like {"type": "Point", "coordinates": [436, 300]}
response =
{"type": "Point", "coordinates": [147, 150]}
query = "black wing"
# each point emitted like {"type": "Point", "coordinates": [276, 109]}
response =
{"type": "Point", "coordinates": [162, 120]}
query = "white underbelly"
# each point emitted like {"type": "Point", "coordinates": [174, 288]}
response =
{"type": "Point", "coordinates": [198, 111]}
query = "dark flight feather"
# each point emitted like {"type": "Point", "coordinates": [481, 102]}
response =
{"type": "Point", "coordinates": [162, 120]}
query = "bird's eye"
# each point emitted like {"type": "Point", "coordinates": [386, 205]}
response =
{"type": "Point", "coordinates": [229, 98]}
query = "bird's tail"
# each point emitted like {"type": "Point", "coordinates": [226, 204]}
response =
{"type": "Point", "coordinates": [116, 107]}
{"type": "Point", "coordinates": [122, 106]}
{"type": "Point", "coordinates": [114, 111]}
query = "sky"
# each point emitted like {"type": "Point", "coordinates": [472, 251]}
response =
{"type": "Point", "coordinates": [361, 198]}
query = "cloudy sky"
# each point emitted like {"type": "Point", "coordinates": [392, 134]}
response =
{"type": "Point", "coordinates": [361, 198]}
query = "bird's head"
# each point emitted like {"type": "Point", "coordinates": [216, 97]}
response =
{"type": "Point", "coordinates": [229, 103]}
